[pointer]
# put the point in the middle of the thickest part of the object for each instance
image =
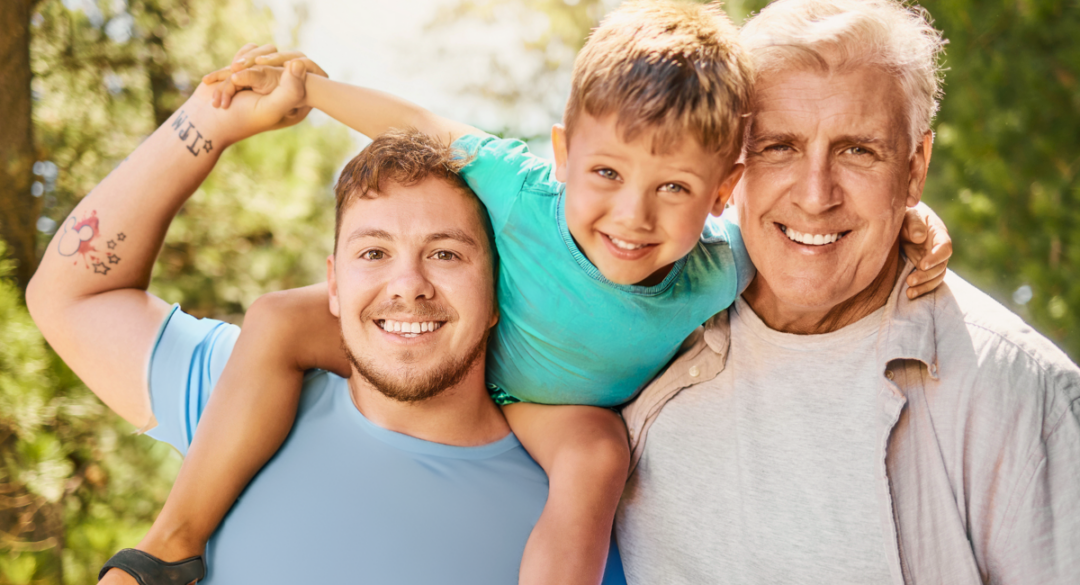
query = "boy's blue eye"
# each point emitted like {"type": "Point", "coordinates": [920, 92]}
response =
{"type": "Point", "coordinates": [673, 188]}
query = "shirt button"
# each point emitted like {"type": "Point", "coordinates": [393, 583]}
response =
{"type": "Point", "coordinates": [933, 369]}
{"type": "Point", "coordinates": [694, 372]}
{"type": "Point", "coordinates": [889, 374]}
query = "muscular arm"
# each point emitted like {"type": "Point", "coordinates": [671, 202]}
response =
{"type": "Point", "coordinates": [89, 296]}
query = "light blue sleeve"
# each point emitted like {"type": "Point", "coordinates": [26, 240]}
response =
{"type": "Point", "coordinates": [729, 223]}
{"type": "Point", "coordinates": [498, 171]}
{"type": "Point", "coordinates": [186, 364]}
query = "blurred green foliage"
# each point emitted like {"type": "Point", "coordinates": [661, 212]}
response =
{"type": "Point", "coordinates": [76, 483]}
{"type": "Point", "coordinates": [1005, 174]}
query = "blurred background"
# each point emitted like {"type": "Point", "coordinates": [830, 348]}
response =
{"type": "Point", "coordinates": [82, 82]}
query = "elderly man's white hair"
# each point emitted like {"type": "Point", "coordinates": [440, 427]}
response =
{"type": "Point", "coordinates": [839, 34]}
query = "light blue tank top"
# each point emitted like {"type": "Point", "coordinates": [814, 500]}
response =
{"type": "Point", "coordinates": [345, 500]}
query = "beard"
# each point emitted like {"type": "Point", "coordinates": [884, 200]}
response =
{"type": "Point", "coordinates": [417, 386]}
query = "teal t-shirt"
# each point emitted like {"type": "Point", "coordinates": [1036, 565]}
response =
{"type": "Point", "coordinates": [566, 334]}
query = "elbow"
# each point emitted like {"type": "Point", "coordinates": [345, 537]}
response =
{"type": "Point", "coordinates": [36, 302]}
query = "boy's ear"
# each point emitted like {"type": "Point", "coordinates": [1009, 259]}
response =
{"type": "Point", "coordinates": [331, 283]}
{"type": "Point", "coordinates": [559, 145]}
{"type": "Point", "coordinates": [723, 194]}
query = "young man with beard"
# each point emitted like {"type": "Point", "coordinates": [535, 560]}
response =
{"type": "Point", "coordinates": [406, 472]}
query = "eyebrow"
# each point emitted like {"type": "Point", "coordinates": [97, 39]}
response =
{"type": "Point", "coordinates": [690, 171]}
{"type": "Point", "coordinates": [622, 159]}
{"type": "Point", "coordinates": [456, 235]}
{"type": "Point", "coordinates": [753, 140]}
{"type": "Point", "coordinates": [369, 233]}
{"type": "Point", "coordinates": [453, 234]}
{"type": "Point", "coordinates": [856, 139]}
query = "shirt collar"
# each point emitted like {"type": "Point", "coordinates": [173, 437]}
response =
{"type": "Point", "coordinates": [907, 328]}
{"type": "Point", "coordinates": [907, 331]}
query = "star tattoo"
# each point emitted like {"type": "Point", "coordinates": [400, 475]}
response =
{"type": "Point", "coordinates": [100, 268]}
{"type": "Point", "coordinates": [120, 236]}
{"type": "Point", "coordinates": [114, 259]}
{"type": "Point", "coordinates": [111, 244]}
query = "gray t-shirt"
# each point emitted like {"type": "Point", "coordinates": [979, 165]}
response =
{"type": "Point", "coordinates": [767, 473]}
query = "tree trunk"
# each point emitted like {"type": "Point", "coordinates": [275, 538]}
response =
{"type": "Point", "coordinates": [19, 209]}
{"type": "Point", "coordinates": [164, 96]}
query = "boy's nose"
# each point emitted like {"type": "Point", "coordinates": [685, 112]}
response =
{"type": "Point", "coordinates": [633, 209]}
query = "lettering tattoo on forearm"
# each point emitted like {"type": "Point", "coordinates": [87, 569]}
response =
{"type": "Point", "coordinates": [80, 236]}
{"type": "Point", "coordinates": [184, 129]}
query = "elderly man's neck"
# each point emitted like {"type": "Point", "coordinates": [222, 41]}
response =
{"type": "Point", "coordinates": [786, 318]}
{"type": "Point", "coordinates": [462, 415]}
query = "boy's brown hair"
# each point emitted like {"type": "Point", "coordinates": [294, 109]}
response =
{"type": "Point", "coordinates": [400, 157]}
{"type": "Point", "coordinates": [674, 68]}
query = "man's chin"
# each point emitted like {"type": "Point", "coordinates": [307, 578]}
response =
{"type": "Point", "coordinates": [408, 383]}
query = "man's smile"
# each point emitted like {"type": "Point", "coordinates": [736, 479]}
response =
{"type": "Point", "coordinates": [811, 239]}
{"type": "Point", "coordinates": [408, 329]}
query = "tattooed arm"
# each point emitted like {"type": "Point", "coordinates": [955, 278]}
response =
{"type": "Point", "coordinates": [89, 296]}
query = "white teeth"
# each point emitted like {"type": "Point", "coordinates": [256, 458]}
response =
{"type": "Point", "coordinates": [811, 239]}
{"type": "Point", "coordinates": [622, 244]}
{"type": "Point", "coordinates": [409, 329]}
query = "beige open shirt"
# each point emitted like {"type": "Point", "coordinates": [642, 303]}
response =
{"type": "Point", "coordinates": [980, 438]}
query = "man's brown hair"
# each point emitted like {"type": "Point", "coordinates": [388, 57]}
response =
{"type": "Point", "coordinates": [400, 157]}
{"type": "Point", "coordinates": [675, 68]}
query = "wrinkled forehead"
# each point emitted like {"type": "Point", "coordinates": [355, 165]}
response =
{"type": "Point", "coordinates": [862, 101]}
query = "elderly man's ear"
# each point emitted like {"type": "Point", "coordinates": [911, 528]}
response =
{"type": "Point", "coordinates": [920, 166]}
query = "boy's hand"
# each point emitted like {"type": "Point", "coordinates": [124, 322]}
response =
{"type": "Point", "coordinates": [927, 243]}
{"type": "Point", "coordinates": [253, 113]}
{"type": "Point", "coordinates": [240, 75]}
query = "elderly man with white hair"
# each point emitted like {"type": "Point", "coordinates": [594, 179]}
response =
{"type": "Point", "coordinates": [826, 428]}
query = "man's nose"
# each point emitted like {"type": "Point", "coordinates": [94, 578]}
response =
{"type": "Point", "coordinates": [633, 208]}
{"type": "Point", "coordinates": [409, 282]}
{"type": "Point", "coordinates": [816, 190]}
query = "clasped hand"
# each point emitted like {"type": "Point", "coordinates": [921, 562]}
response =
{"type": "Point", "coordinates": [266, 86]}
